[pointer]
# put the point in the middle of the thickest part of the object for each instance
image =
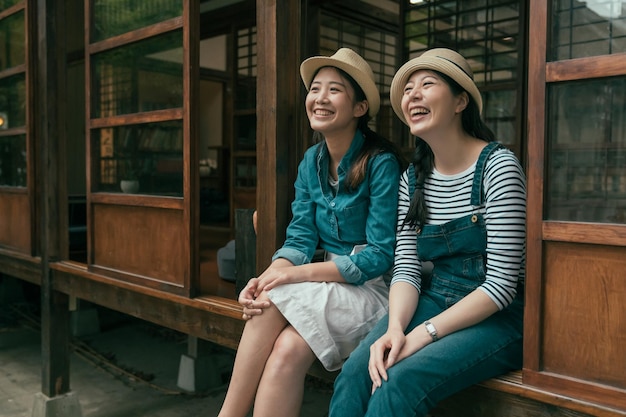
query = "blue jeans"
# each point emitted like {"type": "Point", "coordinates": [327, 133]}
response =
{"type": "Point", "coordinates": [417, 383]}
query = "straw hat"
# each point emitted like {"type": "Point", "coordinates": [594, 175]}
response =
{"type": "Point", "coordinates": [443, 60]}
{"type": "Point", "coordinates": [353, 64]}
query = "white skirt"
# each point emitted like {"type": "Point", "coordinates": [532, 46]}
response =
{"type": "Point", "coordinates": [332, 317]}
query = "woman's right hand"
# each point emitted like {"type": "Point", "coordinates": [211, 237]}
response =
{"type": "Point", "coordinates": [252, 306]}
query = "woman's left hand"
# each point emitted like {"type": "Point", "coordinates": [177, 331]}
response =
{"type": "Point", "coordinates": [383, 354]}
{"type": "Point", "coordinates": [252, 306]}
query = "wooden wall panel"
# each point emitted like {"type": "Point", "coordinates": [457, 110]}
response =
{"type": "Point", "coordinates": [144, 241]}
{"type": "Point", "coordinates": [15, 231]}
{"type": "Point", "coordinates": [584, 324]}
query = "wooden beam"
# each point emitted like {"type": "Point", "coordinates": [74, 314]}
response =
{"type": "Point", "coordinates": [279, 107]}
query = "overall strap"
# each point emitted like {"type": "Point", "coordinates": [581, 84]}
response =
{"type": "Point", "coordinates": [478, 194]}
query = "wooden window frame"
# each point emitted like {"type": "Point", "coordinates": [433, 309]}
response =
{"type": "Point", "coordinates": [184, 281]}
{"type": "Point", "coordinates": [540, 232]}
{"type": "Point", "coordinates": [23, 228]}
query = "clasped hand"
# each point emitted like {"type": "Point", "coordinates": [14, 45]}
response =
{"type": "Point", "coordinates": [252, 298]}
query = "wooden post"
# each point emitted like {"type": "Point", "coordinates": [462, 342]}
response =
{"type": "Point", "coordinates": [49, 93]}
{"type": "Point", "coordinates": [279, 119]}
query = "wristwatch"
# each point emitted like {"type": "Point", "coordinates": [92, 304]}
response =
{"type": "Point", "coordinates": [432, 331]}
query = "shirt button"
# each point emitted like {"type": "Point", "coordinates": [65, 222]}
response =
{"type": "Point", "coordinates": [332, 204]}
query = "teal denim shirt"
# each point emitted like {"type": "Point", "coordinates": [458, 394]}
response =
{"type": "Point", "coordinates": [336, 223]}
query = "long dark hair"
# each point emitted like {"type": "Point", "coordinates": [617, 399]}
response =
{"type": "Point", "coordinates": [373, 144]}
{"type": "Point", "coordinates": [424, 160]}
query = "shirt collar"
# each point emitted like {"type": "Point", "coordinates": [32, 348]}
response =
{"type": "Point", "coordinates": [350, 156]}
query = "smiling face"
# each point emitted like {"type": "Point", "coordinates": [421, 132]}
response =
{"type": "Point", "coordinates": [429, 106]}
{"type": "Point", "coordinates": [330, 103]}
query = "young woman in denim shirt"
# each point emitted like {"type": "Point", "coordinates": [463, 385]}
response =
{"type": "Point", "coordinates": [345, 204]}
{"type": "Point", "coordinates": [462, 207]}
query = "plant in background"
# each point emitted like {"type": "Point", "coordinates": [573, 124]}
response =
{"type": "Point", "coordinates": [133, 168]}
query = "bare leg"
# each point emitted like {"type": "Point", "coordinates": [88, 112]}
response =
{"type": "Point", "coordinates": [282, 386]}
{"type": "Point", "coordinates": [255, 346]}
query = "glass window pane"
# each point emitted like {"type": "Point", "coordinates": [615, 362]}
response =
{"type": "Point", "coordinates": [143, 76]}
{"type": "Point", "coordinates": [379, 50]}
{"type": "Point", "coordinates": [586, 178]}
{"type": "Point", "coordinates": [13, 101]}
{"type": "Point", "coordinates": [246, 52]}
{"type": "Point", "coordinates": [150, 154]}
{"type": "Point", "coordinates": [5, 4]}
{"type": "Point", "coordinates": [13, 161]}
{"type": "Point", "coordinates": [487, 35]}
{"type": "Point", "coordinates": [245, 92]}
{"type": "Point", "coordinates": [499, 114]}
{"type": "Point", "coordinates": [114, 17]}
{"type": "Point", "coordinates": [245, 172]}
{"type": "Point", "coordinates": [583, 29]}
{"type": "Point", "coordinates": [12, 41]}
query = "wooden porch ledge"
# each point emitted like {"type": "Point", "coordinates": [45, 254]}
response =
{"type": "Point", "coordinates": [218, 320]}
{"type": "Point", "coordinates": [507, 396]}
{"type": "Point", "coordinates": [496, 397]}
{"type": "Point", "coordinates": [224, 306]}
{"type": "Point", "coordinates": [213, 318]}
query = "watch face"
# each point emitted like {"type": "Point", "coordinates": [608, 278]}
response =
{"type": "Point", "coordinates": [430, 328]}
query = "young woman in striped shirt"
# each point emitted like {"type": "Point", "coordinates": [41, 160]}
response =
{"type": "Point", "coordinates": [462, 209]}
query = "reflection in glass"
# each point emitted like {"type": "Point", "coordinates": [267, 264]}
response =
{"type": "Point", "coordinates": [114, 17]}
{"type": "Point", "coordinates": [246, 51]}
{"type": "Point", "coordinates": [150, 154]}
{"type": "Point", "coordinates": [587, 151]}
{"type": "Point", "coordinates": [13, 101]}
{"type": "Point", "coordinates": [12, 41]}
{"type": "Point", "coordinates": [245, 129]}
{"type": "Point", "coordinates": [13, 161]}
{"type": "Point", "coordinates": [499, 114]}
{"type": "Point", "coordinates": [5, 4]}
{"type": "Point", "coordinates": [245, 97]}
{"type": "Point", "coordinates": [378, 47]}
{"type": "Point", "coordinates": [487, 34]}
{"type": "Point", "coordinates": [245, 172]}
{"type": "Point", "coordinates": [584, 29]}
{"type": "Point", "coordinates": [142, 76]}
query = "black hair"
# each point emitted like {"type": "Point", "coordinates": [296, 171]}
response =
{"type": "Point", "coordinates": [424, 159]}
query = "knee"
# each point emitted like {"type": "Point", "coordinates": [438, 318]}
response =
{"type": "Point", "coordinates": [291, 353]}
{"type": "Point", "coordinates": [357, 363]}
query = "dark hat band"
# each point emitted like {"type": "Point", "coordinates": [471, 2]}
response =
{"type": "Point", "coordinates": [457, 65]}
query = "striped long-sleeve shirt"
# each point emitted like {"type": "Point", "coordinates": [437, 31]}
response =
{"type": "Point", "coordinates": [448, 197]}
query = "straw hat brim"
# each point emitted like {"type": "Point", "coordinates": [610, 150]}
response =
{"type": "Point", "coordinates": [436, 63]}
{"type": "Point", "coordinates": [350, 62]}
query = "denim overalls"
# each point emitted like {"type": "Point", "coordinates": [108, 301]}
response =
{"type": "Point", "coordinates": [458, 248]}
{"type": "Point", "coordinates": [490, 348]}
